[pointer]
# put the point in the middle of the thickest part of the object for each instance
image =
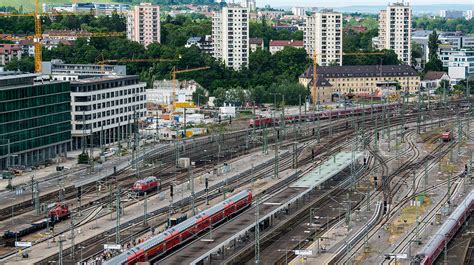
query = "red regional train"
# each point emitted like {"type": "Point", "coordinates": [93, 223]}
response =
{"type": "Point", "coordinates": [185, 231]}
{"type": "Point", "coordinates": [337, 113]}
{"type": "Point", "coordinates": [445, 233]}
{"type": "Point", "coordinates": [145, 185]}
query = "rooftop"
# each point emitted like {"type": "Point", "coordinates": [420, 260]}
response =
{"type": "Point", "coordinates": [101, 79]}
{"type": "Point", "coordinates": [293, 43]}
{"type": "Point", "coordinates": [361, 71]}
{"type": "Point", "coordinates": [258, 41]}
{"type": "Point", "coordinates": [433, 75]}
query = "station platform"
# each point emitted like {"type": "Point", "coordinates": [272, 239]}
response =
{"type": "Point", "coordinates": [199, 247]}
{"type": "Point", "coordinates": [327, 170]}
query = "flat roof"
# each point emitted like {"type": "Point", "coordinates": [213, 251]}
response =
{"type": "Point", "coordinates": [15, 74]}
{"type": "Point", "coordinates": [327, 170]}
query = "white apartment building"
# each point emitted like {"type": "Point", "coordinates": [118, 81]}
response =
{"type": "Point", "coordinates": [250, 4]}
{"type": "Point", "coordinates": [469, 14]}
{"type": "Point", "coordinates": [143, 24]}
{"type": "Point", "coordinates": [298, 11]}
{"type": "Point", "coordinates": [395, 30]}
{"type": "Point", "coordinates": [230, 36]}
{"type": "Point", "coordinates": [103, 109]}
{"type": "Point", "coordinates": [323, 36]}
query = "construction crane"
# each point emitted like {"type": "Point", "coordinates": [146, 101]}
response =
{"type": "Point", "coordinates": [175, 71]}
{"type": "Point", "coordinates": [38, 35]}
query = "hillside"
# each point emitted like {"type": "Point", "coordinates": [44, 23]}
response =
{"type": "Point", "coordinates": [29, 5]}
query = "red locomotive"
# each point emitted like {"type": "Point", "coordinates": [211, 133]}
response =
{"type": "Point", "coordinates": [182, 232]}
{"type": "Point", "coordinates": [59, 212]}
{"type": "Point", "coordinates": [446, 136]}
{"type": "Point", "coordinates": [145, 185]}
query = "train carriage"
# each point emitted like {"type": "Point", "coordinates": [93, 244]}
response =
{"type": "Point", "coordinates": [182, 232]}
{"type": "Point", "coordinates": [430, 252]}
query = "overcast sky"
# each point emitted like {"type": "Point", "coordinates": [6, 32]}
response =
{"type": "Point", "coordinates": [338, 3]}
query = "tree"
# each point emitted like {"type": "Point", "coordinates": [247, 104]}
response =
{"type": "Point", "coordinates": [25, 64]}
{"type": "Point", "coordinates": [200, 97]}
{"type": "Point", "coordinates": [434, 63]}
{"type": "Point", "coordinates": [416, 52]}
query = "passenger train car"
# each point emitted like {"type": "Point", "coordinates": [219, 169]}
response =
{"type": "Point", "coordinates": [434, 247]}
{"type": "Point", "coordinates": [334, 114]}
{"type": "Point", "coordinates": [185, 231]}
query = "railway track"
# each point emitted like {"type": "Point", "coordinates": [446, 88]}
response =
{"type": "Point", "coordinates": [433, 157]}
{"type": "Point", "coordinates": [340, 128]}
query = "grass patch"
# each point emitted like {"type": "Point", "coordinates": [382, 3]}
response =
{"type": "Point", "coordinates": [406, 218]}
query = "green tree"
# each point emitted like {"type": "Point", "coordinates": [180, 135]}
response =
{"type": "Point", "coordinates": [200, 97]}
{"type": "Point", "coordinates": [25, 64]}
{"type": "Point", "coordinates": [434, 63]}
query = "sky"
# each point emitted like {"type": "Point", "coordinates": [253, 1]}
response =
{"type": "Point", "coordinates": [339, 3]}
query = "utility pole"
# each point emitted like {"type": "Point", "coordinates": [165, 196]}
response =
{"type": "Point", "coordinates": [145, 201]}
{"type": "Point", "coordinates": [73, 245]}
{"type": "Point", "coordinates": [117, 218]}
{"type": "Point", "coordinates": [276, 158]}
{"type": "Point", "coordinates": [265, 140]}
{"type": "Point", "coordinates": [37, 198]}
{"type": "Point", "coordinates": [191, 180]}
{"type": "Point", "coordinates": [60, 243]}
{"type": "Point", "coordinates": [257, 232]}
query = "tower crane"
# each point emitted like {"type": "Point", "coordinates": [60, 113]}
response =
{"type": "Point", "coordinates": [38, 35]}
{"type": "Point", "coordinates": [176, 71]}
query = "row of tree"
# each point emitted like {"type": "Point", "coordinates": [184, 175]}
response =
{"type": "Point", "coordinates": [442, 24]}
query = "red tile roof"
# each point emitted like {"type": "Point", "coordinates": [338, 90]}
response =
{"type": "Point", "coordinates": [9, 48]}
{"type": "Point", "coordinates": [293, 43]}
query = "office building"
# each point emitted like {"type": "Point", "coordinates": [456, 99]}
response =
{"type": "Point", "coordinates": [333, 82]}
{"type": "Point", "coordinates": [323, 36]}
{"type": "Point", "coordinates": [395, 30]}
{"type": "Point", "coordinates": [230, 36]}
{"type": "Point", "coordinates": [35, 119]}
{"type": "Point", "coordinates": [460, 62]}
{"type": "Point", "coordinates": [58, 70]}
{"type": "Point", "coordinates": [447, 41]}
{"type": "Point", "coordinates": [143, 24]}
{"type": "Point", "coordinates": [105, 108]}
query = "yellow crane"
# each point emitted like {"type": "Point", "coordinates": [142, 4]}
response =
{"type": "Point", "coordinates": [38, 36]}
{"type": "Point", "coordinates": [176, 71]}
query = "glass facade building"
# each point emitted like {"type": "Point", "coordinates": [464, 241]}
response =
{"type": "Point", "coordinates": [35, 119]}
